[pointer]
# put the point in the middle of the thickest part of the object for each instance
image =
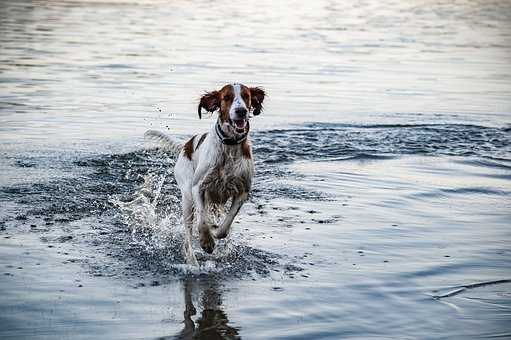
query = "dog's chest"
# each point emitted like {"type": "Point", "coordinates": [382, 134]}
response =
{"type": "Point", "coordinates": [230, 176]}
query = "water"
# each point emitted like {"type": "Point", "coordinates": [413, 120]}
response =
{"type": "Point", "coordinates": [381, 203]}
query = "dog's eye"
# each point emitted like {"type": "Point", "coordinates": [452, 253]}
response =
{"type": "Point", "coordinates": [227, 98]}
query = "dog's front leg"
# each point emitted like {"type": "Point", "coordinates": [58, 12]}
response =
{"type": "Point", "coordinates": [223, 230]}
{"type": "Point", "coordinates": [206, 239]}
{"type": "Point", "coordinates": [188, 223]}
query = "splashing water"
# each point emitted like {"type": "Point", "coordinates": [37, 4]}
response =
{"type": "Point", "coordinates": [160, 232]}
{"type": "Point", "coordinates": [140, 212]}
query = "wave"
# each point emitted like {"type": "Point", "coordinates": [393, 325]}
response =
{"type": "Point", "coordinates": [136, 193]}
{"type": "Point", "coordinates": [322, 141]}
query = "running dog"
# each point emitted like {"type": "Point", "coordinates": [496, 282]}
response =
{"type": "Point", "coordinates": [216, 166]}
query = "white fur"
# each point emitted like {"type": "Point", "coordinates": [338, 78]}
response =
{"type": "Point", "coordinates": [164, 141]}
{"type": "Point", "coordinates": [202, 175]}
{"type": "Point", "coordinates": [237, 102]}
{"type": "Point", "coordinates": [214, 174]}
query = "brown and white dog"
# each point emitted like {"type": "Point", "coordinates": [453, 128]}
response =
{"type": "Point", "coordinates": [216, 166]}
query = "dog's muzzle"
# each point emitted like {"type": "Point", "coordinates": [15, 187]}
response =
{"type": "Point", "coordinates": [240, 122]}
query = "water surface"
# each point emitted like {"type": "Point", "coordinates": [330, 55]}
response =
{"type": "Point", "coordinates": [381, 203]}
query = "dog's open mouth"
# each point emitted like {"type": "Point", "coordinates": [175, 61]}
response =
{"type": "Point", "coordinates": [239, 124]}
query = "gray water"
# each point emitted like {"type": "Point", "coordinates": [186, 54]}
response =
{"type": "Point", "coordinates": [382, 197]}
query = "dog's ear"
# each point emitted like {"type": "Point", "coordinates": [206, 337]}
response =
{"type": "Point", "coordinates": [209, 101]}
{"type": "Point", "coordinates": [257, 96]}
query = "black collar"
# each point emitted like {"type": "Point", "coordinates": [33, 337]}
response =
{"type": "Point", "coordinates": [227, 140]}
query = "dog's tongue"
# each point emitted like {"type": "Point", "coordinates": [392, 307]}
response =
{"type": "Point", "coordinates": [240, 123]}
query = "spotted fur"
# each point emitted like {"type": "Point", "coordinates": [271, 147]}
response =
{"type": "Point", "coordinates": [210, 171]}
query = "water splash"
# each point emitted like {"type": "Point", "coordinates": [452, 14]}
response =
{"type": "Point", "coordinates": [157, 234]}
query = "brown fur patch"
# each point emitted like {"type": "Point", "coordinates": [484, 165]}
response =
{"type": "Point", "coordinates": [188, 148]}
{"type": "Point", "coordinates": [201, 140]}
{"type": "Point", "coordinates": [222, 100]}
{"type": "Point", "coordinates": [257, 95]}
{"type": "Point", "coordinates": [209, 101]}
{"type": "Point", "coordinates": [246, 150]}
{"type": "Point", "coordinates": [226, 98]}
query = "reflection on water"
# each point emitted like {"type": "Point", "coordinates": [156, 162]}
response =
{"type": "Point", "coordinates": [368, 235]}
{"type": "Point", "coordinates": [212, 322]}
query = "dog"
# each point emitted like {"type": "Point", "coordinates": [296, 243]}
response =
{"type": "Point", "coordinates": [217, 166]}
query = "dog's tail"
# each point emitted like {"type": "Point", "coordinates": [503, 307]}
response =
{"type": "Point", "coordinates": [163, 141]}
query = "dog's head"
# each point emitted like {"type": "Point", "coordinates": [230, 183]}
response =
{"type": "Point", "coordinates": [234, 102]}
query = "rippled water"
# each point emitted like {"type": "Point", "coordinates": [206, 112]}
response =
{"type": "Point", "coordinates": [381, 203]}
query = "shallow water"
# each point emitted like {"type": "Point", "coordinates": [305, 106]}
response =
{"type": "Point", "coordinates": [381, 204]}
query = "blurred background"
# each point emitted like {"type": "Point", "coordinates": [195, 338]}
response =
{"type": "Point", "coordinates": [81, 70]}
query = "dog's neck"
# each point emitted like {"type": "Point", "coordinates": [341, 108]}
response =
{"type": "Point", "coordinates": [233, 139]}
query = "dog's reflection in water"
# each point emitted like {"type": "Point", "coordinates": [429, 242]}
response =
{"type": "Point", "coordinates": [212, 322]}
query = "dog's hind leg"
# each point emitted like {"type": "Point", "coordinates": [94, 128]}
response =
{"type": "Point", "coordinates": [188, 223]}
{"type": "Point", "coordinates": [223, 230]}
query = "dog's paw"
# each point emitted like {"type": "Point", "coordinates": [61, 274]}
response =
{"type": "Point", "coordinates": [189, 255]}
{"type": "Point", "coordinates": [191, 260]}
{"type": "Point", "coordinates": [207, 242]}
{"type": "Point", "coordinates": [220, 233]}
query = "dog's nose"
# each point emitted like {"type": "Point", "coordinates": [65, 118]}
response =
{"type": "Point", "coordinates": [241, 111]}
